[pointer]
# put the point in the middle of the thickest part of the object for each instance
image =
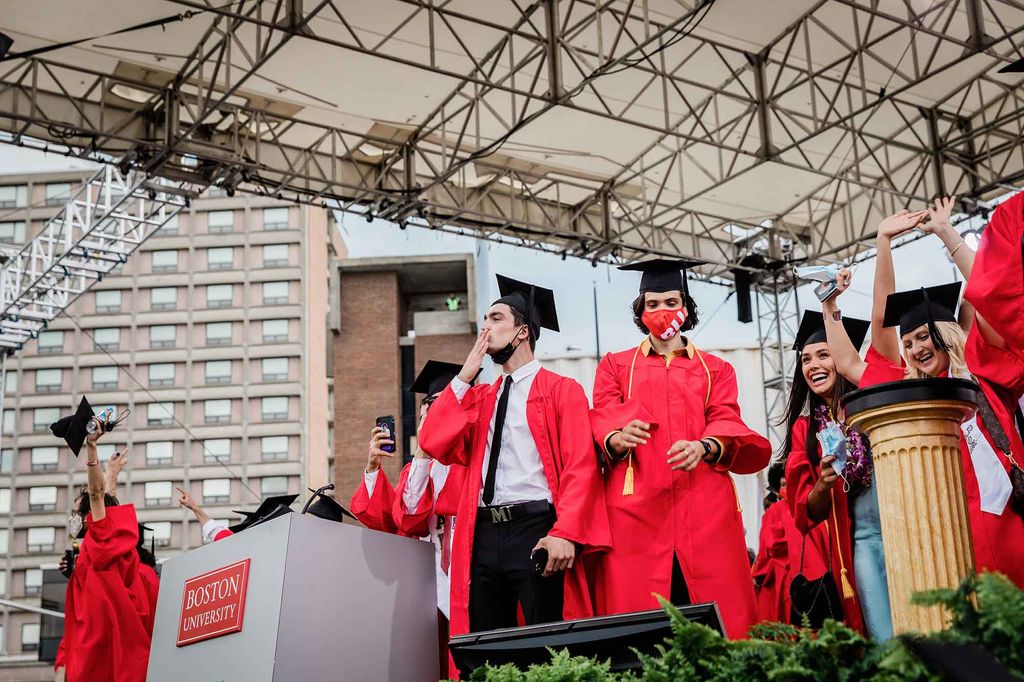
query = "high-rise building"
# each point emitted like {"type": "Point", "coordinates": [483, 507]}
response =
{"type": "Point", "coordinates": [213, 336]}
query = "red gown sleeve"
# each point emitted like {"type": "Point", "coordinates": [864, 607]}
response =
{"type": "Point", "coordinates": [747, 451]}
{"type": "Point", "coordinates": [113, 538]}
{"type": "Point", "coordinates": [375, 512]}
{"type": "Point", "coordinates": [801, 476]}
{"type": "Point", "coordinates": [611, 409]}
{"type": "Point", "coordinates": [879, 370]}
{"type": "Point", "coordinates": [996, 285]}
{"type": "Point", "coordinates": [998, 366]}
{"type": "Point", "coordinates": [447, 432]}
{"type": "Point", "coordinates": [765, 540]}
{"type": "Point", "coordinates": [581, 513]}
{"type": "Point", "coordinates": [415, 523]}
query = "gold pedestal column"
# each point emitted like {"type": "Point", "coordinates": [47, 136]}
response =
{"type": "Point", "coordinates": [922, 503]}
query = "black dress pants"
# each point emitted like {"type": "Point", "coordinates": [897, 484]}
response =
{"type": "Point", "coordinates": [501, 574]}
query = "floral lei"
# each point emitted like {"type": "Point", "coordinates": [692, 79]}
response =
{"type": "Point", "coordinates": [857, 471]}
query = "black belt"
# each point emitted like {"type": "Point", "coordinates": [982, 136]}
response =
{"type": "Point", "coordinates": [504, 513]}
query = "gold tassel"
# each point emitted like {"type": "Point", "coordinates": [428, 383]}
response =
{"type": "Point", "coordinates": [627, 483]}
{"type": "Point", "coordinates": [847, 587]}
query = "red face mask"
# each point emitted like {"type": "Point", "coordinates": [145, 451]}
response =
{"type": "Point", "coordinates": [664, 324]}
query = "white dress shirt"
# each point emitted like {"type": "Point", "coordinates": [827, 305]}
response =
{"type": "Point", "coordinates": [520, 473]}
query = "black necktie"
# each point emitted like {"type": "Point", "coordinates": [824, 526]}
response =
{"type": "Point", "coordinates": [499, 424]}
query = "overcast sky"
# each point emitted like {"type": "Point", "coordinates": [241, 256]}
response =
{"type": "Point", "coordinates": [922, 263]}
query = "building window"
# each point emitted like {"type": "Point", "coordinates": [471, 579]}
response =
{"type": "Point", "coordinates": [163, 298]}
{"type": "Point", "coordinates": [273, 485]}
{"type": "Point", "coordinates": [218, 333]}
{"type": "Point", "coordinates": [162, 336]}
{"type": "Point", "coordinates": [5, 500]}
{"type": "Point", "coordinates": [8, 423]}
{"type": "Point", "coordinates": [170, 228]}
{"type": "Point", "coordinates": [165, 261]}
{"type": "Point", "coordinates": [275, 331]}
{"type": "Point", "coordinates": [49, 380]}
{"type": "Point", "coordinates": [159, 453]}
{"type": "Point", "coordinates": [42, 417]}
{"type": "Point", "coordinates": [159, 533]}
{"type": "Point", "coordinates": [13, 196]}
{"type": "Point", "coordinates": [275, 219]}
{"type": "Point", "coordinates": [216, 450]}
{"type": "Point", "coordinates": [275, 369]}
{"type": "Point", "coordinates": [274, 448]}
{"type": "Point", "coordinates": [159, 414]}
{"type": "Point", "coordinates": [218, 372]}
{"type": "Point", "coordinates": [104, 377]}
{"type": "Point", "coordinates": [220, 258]}
{"type": "Point", "coordinates": [217, 411]}
{"type": "Point", "coordinates": [275, 255]}
{"type": "Point", "coordinates": [45, 458]}
{"type": "Point", "coordinates": [158, 493]}
{"type": "Point", "coordinates": [161, 374]}
{"type": "Point", "coordinates": [57, 193]}
{"type": "Point", "coordinates": [40, 540]}
{"type": "Point", "coordinates": [51, 342]}
{"type": "Point", "coordinates": [275, 293]}
{"type": "Point", "coordinates": [216, 491]}
{"type": "Point", "coordinates": [33, 581]}
{"type": "Point", "coordinates": [5, 541]}
{"type": "Point", "coordinates": [219, 295]}
{"type": "Point", "coordinates": [104, 451]}
{"type": "Point", "coordinates": [108, 301]}
{"type": "Point", "coordinates": [11, 382]}
{"type": "Point", "coordinates": [12, 231]}
{"type": "Point", "coordinates": [29, 637]}
{"type": "Point", "coordinates": [220, 222]}
{"type": "Point", "coordinates": [274, 408]}
{"type": "Point", "coordinates": [6, 462]}
{"type": "Point", "coordinates": [107, 338]}
{"type": "Point", "coordinates": [42, 498]}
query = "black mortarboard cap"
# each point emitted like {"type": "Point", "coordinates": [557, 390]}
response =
{"type": "Point", "coordinates": [812, 330]}
{"type": "Point", "coordinates": [325, 507]}
{"type": "Point", "coordinates": [537, 304]}
{"type": "Point", "coordinates": [911, 309]}
{"type": "Point", "coordinates": [72, 428]}
{"type": "Point", "coordinates": [434, 376]}
{"type": "Point", "coordinates": [663, 274]}
{"type": "Point", "coordinates": [270, 508]}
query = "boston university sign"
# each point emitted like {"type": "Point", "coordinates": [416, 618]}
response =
{"type": "Point", "coordinates": [213, 603]}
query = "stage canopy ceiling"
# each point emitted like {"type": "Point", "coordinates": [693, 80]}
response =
{"type": "Point", "coordinates": [604, 129]}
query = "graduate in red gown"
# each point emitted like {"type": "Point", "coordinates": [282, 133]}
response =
{"type": "Point", "coordinates": [996, 285]}
{"type": "Point", "coordinates": [667, 420]}
{"type": "Point", "coordinates": [531, 483]}
{"type": "Point", "coordinates": [934, 344]}
{"type": "Point", "coordinates": [111, 597]}
{"type": "Point", "coordinates": [778, 548]}
{"type": "Point", "coordinates": [374, 497]}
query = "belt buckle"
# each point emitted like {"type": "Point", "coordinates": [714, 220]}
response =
{"type": "Point", "coordinates": [501, 514]}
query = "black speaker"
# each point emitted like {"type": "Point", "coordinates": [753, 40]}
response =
{"type": "Point", "coordinates": [604, 637]}
{"type": "Point", "coordinates": [5, 44]}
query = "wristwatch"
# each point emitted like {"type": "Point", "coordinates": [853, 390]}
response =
{"type": "Point", "coordinates": [707, 447]}
{"type": "Point", "coordinates": [837, 315]}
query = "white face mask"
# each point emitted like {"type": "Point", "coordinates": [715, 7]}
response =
{"type": "Point", "coordinates": [74, 524]}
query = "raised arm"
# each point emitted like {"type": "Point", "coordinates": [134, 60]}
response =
{"type": "Point", "coordinates": [885, 340]}
{"type": "Point", "coordinates": [844, 354]}
{"type": "Point", "coordinates": [95, 486]}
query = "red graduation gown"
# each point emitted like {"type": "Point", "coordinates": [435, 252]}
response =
{"type": "Point", "coordinates": [456, 433]}
{"type": "Point", "coordinates": [998, 540]}
{"type": "Point", "coordinates": [445, 502]}
{"type": "Point", "coordinates": [694, 514]}
{"type": "Point", "coordinates": [778, 548]}
{"type": "Point", "coordinates": [801, 475]}
{"type": "Point", "coordinates": [996, 285]}
{"type": "Point", "coordinates": [375, 512]}
{"type": "Point", "coordinates": [110, 603]}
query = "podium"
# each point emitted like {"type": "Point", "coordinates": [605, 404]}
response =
{"type": "Point", "coordinates": [310, 599]}
{"type": "Point", "coordinates": [914, 430]}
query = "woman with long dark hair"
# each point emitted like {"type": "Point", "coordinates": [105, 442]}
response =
{"type": "Point", "coordinates": [819, 449]}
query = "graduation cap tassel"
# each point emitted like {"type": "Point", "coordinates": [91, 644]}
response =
{"type": "Point", "coordinates": [933, 330]}
{"type": "Point", "coordinates": [627, 482]}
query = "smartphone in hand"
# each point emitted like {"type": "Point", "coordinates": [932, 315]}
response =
{"type": "Point", "coordinates": [540, 560]}
{"type": "Point", "coordinates": [388, 424]}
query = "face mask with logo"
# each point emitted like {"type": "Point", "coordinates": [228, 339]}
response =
{"type": "Point", "coordinates": [664, 324]}
{"type": "Point", "coordinates": [502, 356]}
{"type": "Point", "coordinates": [833, 444]}
{"type": "Point", "coordinates": [76, 526]}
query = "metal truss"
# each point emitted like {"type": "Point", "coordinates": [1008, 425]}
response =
{"type": "Point", "coordinates": [95, 232]}
{"type": "Point", "coordinates": [778, 318]}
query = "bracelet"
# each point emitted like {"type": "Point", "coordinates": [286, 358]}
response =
{"type": "Point", "coordinates": [91, 464]}
{"type": "Point", "coordinates": [956, 248]}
